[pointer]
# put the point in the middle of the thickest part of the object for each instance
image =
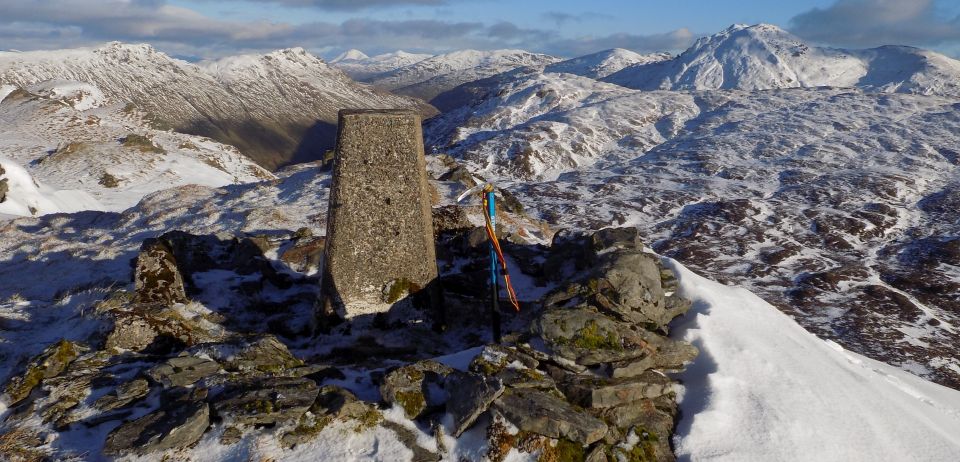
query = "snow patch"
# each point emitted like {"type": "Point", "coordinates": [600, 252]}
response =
{"type": "Point", "coordinates": [81, 95]}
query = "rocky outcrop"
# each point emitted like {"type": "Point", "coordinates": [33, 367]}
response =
{"type": "Point", "coordinates": [578, 378]}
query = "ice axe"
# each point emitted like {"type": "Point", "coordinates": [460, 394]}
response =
{"type": "Point", "coordinates": [487, 194]}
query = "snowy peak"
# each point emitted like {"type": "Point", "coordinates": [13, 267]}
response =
{"type": "Point", "coordinates": [764, 56]}
{"type": "Point", "coordinates": [601, 64]}
{"type": "Point", "coordinates": [350, 55]}
{"type": "Point", "coordinates": [362, 67]}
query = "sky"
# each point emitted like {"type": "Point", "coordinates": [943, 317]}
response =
{"type": "Point", "coordinates": [204, 29]}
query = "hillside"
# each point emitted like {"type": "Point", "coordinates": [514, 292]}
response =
{"type": "Point", "coordinates": [834, 204]}
{"type": "Point", "coordinates": [601, 64]}
{"type": "Point", "coordinates": [68, 135]}
{"type": "Point", "coordinates": [276, 108]}
{"type": "Point", "coordinates": [433, 76]}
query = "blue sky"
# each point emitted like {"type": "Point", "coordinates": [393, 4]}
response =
{"type": "Point", "coordinates": [212, 28]}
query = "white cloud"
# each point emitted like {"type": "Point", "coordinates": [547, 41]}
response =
{"type": "Point", "coordinates": [868, 23]}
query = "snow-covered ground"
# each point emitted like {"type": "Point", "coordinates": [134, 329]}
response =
{"type": "Point", "coordinates": [68, 136]}
{"type": "Point", "coordinates": [765, 389]}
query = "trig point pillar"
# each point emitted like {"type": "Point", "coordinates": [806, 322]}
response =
{"type": "Point", "coordinates": [380, 246]}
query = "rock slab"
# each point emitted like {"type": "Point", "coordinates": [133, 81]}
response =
{"type": "Point", "coordinates": [379, 222]}
{"type": "Point", "coordinates": [544, 414]}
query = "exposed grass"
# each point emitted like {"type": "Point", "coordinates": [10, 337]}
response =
{"type": "Point", "coordinates": [142, 143]}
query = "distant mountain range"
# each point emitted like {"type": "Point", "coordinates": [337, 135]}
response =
{"type": "Point", "coordinates": [763, 57]}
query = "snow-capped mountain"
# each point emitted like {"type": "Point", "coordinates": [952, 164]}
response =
{"type": "Point", "coordinates": [350, 55]}
{"type": "Point", "coordinates": [601, 64]}
{"type": "Point", "coordinates": [69, 136]}
{"type": "Point", "coordinates": [834, 204]}
{"type": "Point", "coordinates": [234, 100]}
{"type": "Point", "coordinates": [432, 76]}
{"type": "Point", "coordinates": [763, 56]}
{"type": "Point", "coordinates": [363, 68]}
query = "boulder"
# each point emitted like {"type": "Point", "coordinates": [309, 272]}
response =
{"type": "Point", "coordinates": [267, 400]}
{"type": "Point", "coordinates": [628, 284]}
{"type": "Point", "coordinates": [49, 363]}
{"type": "Point", "coordinates": [593, 392]}
{"type": "Point", "coordinates": [414, 387]}
{"type": "Point", "coordinates": [305, 254]}
{"type": "Point", "coordinates": [263, 353]}
{"type": "Point", "coordinates": [588, 337]}
{"type": "Point", "coordinates": [157, 278]}
{"type": "Point", "coordinates": [544, 414]}
{"type": "Point", "coordinates": [470, 396]}
{"type": "Point", "coordinates": [616, 238]}
{"type": "Point", "coordinates": [182, 371]}
{"type": "Point", "coordinates": [179, 424]}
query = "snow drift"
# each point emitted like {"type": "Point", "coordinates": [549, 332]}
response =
{"type": "Point", "coordinates": [764, 389]}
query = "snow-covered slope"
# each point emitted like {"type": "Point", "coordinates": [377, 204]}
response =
{"type": "Point", "coordinates": [837, 205]}
{"type": "Point", "coordinates": [432, 76]}
{"type": "Point", "coordinates": [67, 135]}
{"type": "Point", "coordinates": [764, 389]}
{"type": "Point", "coordinates": [364, 68]}
{"type": "Point", "coordinates": [603, 63]}
{"type": "Point", "coordinates": [21, 195]}
{"type": "Point", "coordinates": [764, 56]}
{"type": "Point", "coordinates": [233, 101]}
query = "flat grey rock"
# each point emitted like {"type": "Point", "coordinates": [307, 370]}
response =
{"type": "Point", "coordinates": [544, 414]}
{"type": "Point", "coordinates": [178, 426]}
{"type": "Point", "coordinates": [470, 396]}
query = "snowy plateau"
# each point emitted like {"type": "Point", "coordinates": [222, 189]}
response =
{"type": "Point", "coordinates": [807, 199]}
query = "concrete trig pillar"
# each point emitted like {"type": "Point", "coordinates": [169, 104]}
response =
{"type": "Point", "coordinates": [380, 245]}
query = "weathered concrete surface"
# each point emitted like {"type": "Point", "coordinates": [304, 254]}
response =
{"type": "Point", "coordinates": [380, 245]}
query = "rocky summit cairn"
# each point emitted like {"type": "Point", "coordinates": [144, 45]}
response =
{"type": "Point", "coordinates": [380, 245]}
